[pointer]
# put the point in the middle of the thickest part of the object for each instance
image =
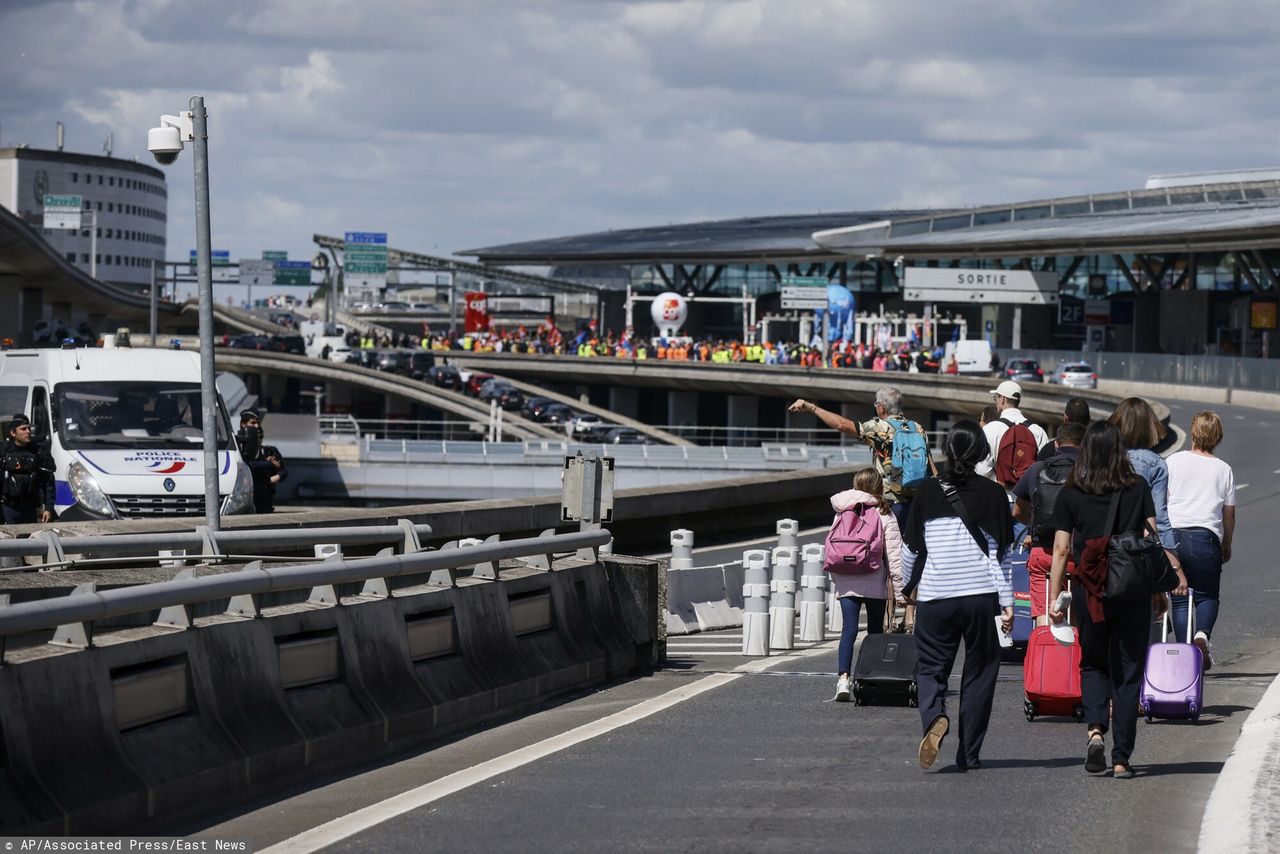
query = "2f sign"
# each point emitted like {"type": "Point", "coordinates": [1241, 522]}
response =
{"type": "Point", "coordinates": [1070, 312]}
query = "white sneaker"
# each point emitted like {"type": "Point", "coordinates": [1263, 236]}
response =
{"type": "Point", "coordinates": [1202, 640]}
{"type": "Point", "coordinates": [843, 689]}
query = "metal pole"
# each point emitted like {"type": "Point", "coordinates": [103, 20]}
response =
{"type": "Point", "coordinates": [93, 244]}
{"type": "Point", "coordinates": [204, 275]}
{"type": "Point", "coordinates": [453, 302]}
{"type": "Point", "coordinates": [154, 302]}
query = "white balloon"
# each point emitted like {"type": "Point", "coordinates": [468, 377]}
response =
{"type": "Point", "coordinates": [669, 311]}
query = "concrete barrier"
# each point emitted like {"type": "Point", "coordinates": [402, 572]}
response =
{"type": "Point", "coordinates": [157, 727]}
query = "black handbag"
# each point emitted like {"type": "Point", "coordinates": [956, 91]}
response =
{"type": "Point", "coordinates": [1137, 566]}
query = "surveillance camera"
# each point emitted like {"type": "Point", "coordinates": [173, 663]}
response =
{"type": "Point", "coordinates": [165, 144]}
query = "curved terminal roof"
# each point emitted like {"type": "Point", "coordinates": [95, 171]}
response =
{"type": "Point", "coordinates": [1222, 212]}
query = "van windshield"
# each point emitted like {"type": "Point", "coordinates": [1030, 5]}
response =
{"type": "Point", "coordinates": [132, 415]}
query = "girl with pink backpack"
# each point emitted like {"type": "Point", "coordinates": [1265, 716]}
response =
{"type": "Point", "coordinates": [863, 554]}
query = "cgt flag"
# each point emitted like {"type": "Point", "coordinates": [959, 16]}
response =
{"type": "Point", "coordinates": [477, 317]}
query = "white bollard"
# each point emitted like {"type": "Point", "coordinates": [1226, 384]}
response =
{"type": "Point", "coordinates": [782, 602]}
{"type": "Point", "coordinates": [835, 618]}
{"type": "Point", "coordinates": [681, 549]}
{"type": "Point", "coordinates": [788, 534]}
{"type": "Point", "coordinates": [813, 594]}
{"type": "Point", "coordinates": [755, 602]}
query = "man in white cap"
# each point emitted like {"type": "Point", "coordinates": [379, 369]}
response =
{"type": "Point", "coordinates": [1008, 395]}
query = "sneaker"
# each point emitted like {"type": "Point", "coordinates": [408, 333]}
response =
{"type": "Point", "coordinates": [932, 741]}
{"type": "Point", "coordinates": [1202, 640]}
{"type": "Point", "coordinates": [843, 688]}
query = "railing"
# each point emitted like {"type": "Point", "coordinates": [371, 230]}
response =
{"type": "Point", "coordinates": [202, 543]}
{"type": "Point", "coordinates": [242, 588]}
{"type": "Point", "coordinates": [345, 428]}
{"type": "Point", "coordinates": [1225, 372]}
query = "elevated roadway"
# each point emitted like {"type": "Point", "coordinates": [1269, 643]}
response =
{"type": "Point", "coordinates": [303, 367]}
{"type": "Point", "coordinates": [1042, 402]}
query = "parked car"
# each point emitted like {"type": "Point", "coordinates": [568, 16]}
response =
{"type": "Point", "coordinates": [364, 308]}
{"type": "Point", "coordinates": [420, 362]}
{"type": "Point", "coordinates": [534, 407]}
{"type": "Point", "coordinates": [445, 376]}
{"type": "Point", "coordinates": [1075, 375]}
{"type": "Point", "coordinates": [625, 436]}
{"type": "Point", "coordinates": [475, 382]}
{"type": "Point", "coordinates": [1024, 371]}
{"type": "Point", "coordinates": [295, 344]}
{"type": "Point", "coordinates": [557, 413]}
{"type": "Point", "coordinates": [511, 398]}
{"type": "Point", "coordinates": [249, 341]}
{"type": "Point", "coordinates": [393, 306]}
{"type": "Point", "coordinates": [393, 362]}
{"type": "Point", "coordinates": [363, 358]}
{"type": "Point", "coordinates": [581, 428]}
{"type": "Point", "coordinates": [425, 307]}
{"type": "Point", "coordinates": [494, 389]}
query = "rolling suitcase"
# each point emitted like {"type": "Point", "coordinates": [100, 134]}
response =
{"type": "Point", "coordinates": [885, 670]}
{"type": "Point", "coordinates": [1051, 674]}
{"type": "Point", "coordinates": [1023, 623]}
{"type": "Point", "coordinates": [1173, 684]}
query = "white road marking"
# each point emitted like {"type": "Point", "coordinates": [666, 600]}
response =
{"type": "Point", "coordinates": [349, 825]}
{"type": "Point", "coordinates": [1240, 808]}
{"type": "Point", "coordinates": [1242, 486]}
{"type": "Point", "coordinates": [1277, 471]}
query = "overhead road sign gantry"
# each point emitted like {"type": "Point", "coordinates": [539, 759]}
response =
{"type": "Point", "coordinates": [293, 272]}
{"type": "Point", "coordinates": [364, 259]}
{"type": "Point", "coordinates": [804, 293]}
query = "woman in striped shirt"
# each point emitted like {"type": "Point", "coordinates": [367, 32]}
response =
{"type": "Point", "coordinates": [953, 543]}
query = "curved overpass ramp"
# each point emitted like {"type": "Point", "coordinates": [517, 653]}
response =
{"type": "Point", "coordinates": [1041, 402]}
{"type": "Point", "coordinates": [302, 367]}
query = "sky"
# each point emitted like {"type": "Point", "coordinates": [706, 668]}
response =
{"type": "Point", "coordinates": [454, 125]}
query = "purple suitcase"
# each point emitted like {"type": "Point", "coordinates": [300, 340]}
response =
{"type": "Point", "coordinates": [1173, 685]}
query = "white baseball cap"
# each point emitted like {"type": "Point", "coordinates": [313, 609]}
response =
{"type": "Point", "coordinates": [1008, 389]}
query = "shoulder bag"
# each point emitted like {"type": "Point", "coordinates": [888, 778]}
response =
{"type": "Point", "coordinates": [1137, 566]}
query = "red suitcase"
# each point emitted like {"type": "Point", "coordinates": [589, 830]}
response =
{"type": "Point", "coordinates": [1051, 674]}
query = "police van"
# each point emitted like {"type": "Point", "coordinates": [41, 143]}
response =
{"type": "Point", "coordinates": [125, 431]}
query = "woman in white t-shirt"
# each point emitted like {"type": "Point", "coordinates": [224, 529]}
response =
{"type": "Point", "coordinates": [1202, 512]}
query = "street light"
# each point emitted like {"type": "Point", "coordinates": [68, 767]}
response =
{"type": "Point", "coordinates": [166, 143]}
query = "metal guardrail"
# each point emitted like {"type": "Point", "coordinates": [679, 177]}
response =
{"type": "Point", "coordinates": [540, 450]}
{"type": "Point", "coordinates": [1226, 372]}
{"type": "Point", "coordinates": [206, 543]}
{"type": "Point", "coordinates": [241, 588]}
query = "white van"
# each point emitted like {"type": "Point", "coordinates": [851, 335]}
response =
{"type": "Point", "coordinates": [973, 356]}
{"type": "Point", "coordinates": [124, 427]}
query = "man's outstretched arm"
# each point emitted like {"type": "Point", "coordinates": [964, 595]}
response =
{"type": "Point", "coordinates": [835, 422]}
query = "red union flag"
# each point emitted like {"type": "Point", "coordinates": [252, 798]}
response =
{"type": "Point", "coordinates": [477, 317]}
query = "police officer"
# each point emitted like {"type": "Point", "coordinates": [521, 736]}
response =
{"type": "Point", "coordinates": [264, 461]}
{"type": "Point", "coordinates": [26, 476]}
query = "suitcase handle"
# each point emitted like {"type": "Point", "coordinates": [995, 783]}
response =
{"type": "Point", "coordinates": [1167, 622]}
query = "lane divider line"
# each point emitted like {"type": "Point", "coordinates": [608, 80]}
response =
{"type": "Point", "coordinates": [1242, 814]}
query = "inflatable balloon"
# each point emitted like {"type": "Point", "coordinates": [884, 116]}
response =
{"type": "Point", "coordinates": [669, 312]}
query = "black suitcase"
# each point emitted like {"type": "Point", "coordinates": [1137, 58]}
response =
{"type": "Point", "coordinates": [885, 672]}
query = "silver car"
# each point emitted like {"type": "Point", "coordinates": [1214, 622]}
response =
{"type": "Point", "coordinates": [1075, 375]}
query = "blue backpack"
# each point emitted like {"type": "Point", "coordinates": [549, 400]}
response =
{"type": "Point", "coordinates": [910, 453]}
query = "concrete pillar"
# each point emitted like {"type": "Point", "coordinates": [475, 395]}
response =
{"type": "Point", "coordinates": [813, 594]}
{"type": "Point", "coordinates": [624, 400]}
{"type": "Point", "coordinates": [32, 312]}
{"type": "Point", "coordinates": [682, 408]}
{"type": "Point", "coordinates": [743, 410]}
{"type": "Point", "coordinates": [782, 599]}
{"type": "Point", "coordinates": [755, 602]}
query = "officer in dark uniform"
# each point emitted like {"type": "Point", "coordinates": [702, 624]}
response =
{"type": "Point", "coordinates": [26, 476]}
{"type": "Point", "coordinates": [264, 461]}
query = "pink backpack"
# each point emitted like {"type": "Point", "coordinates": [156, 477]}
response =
{"type": "Point", "coordinates": [855, 544]}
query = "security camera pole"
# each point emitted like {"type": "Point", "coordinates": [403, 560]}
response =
{"type": "Point", "coordinates": [204, 275]}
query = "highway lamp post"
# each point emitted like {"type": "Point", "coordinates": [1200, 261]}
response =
{"type": "Point", "coordinates": [165, 143]}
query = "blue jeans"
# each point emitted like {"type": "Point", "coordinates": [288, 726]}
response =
{"type": "Point", "coordinates": [849, 607]}
{"type": "Point", "coordinates": [901, 509]}
{"type": "Point", "coordinates": [1201, 556]}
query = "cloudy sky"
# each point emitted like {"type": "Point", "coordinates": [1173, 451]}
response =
{"type": "Point", "coordinates": [467, 123]}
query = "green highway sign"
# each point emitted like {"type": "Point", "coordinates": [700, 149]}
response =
{"type": "Point", "coordinates": [62, 211]}
{"type": "Point", "coordinates": [805, 281]}
{"type": "Point", "coordinates": [293, 273]}
{"type": "Point", "coordinates": [364, 258]}
{"type": "Point", "coordinates": [274, 255]}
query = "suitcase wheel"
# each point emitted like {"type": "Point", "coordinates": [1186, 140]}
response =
{"type": "Point", "coordinates": [1029, 709]}
{"type": "Point", "coordinates": [913, 698]}
{"type": "Point", "coordinates": [1193, 711]}
{"type": "Point", "coordinates": [1078, 714]}
{"type": "Point", "coordinates": [1150, 719]}
{"type": "Point", "coordinates": [857, 693]}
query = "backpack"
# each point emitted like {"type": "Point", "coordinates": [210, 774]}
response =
{"type": "Point", "coordinates": [1016, 454]}
{"type": "Point", "coordinates": [1049, 483]}
{"type": "Point", "coordinates": [18, 467]}
{"type": "Point", "coordinates": [855, 543]}
{"type": "Point", "coordinates": [910, 453]}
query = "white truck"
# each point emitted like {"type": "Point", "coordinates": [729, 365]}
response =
{"type": "Point", "coordinates": [124, 429]}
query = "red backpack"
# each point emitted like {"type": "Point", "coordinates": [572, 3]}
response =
{"type": "Point", "coordinates": [1016, 454]}
{"type": "Point", "coordinates": [855, 543]}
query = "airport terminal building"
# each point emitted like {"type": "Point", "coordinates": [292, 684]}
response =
{"type": "Point", "coordinates": [1186, 265]}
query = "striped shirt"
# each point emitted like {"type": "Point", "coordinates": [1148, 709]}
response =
{"type": "Point", "coordinates": [939, 554]}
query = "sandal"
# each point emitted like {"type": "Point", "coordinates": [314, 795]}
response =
{"type": "Point", "coordinates": [1096, 759]}
{"type": "Point", "coordinates": [1126, 772]}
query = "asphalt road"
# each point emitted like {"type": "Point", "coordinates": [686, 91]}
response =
{"type": "Point", "coordinates": [763, 763]}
